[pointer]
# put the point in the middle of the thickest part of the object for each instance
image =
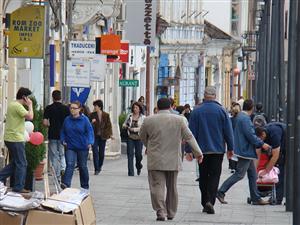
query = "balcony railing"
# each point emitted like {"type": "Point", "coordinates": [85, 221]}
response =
{"type": "Point", "coordinates": [249, 41]}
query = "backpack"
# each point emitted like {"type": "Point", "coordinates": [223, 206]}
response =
{"type": "Point", "coordinates": [259, 120]}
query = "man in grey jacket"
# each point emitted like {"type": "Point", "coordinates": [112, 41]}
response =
{"type": "Point", "coordinates": [162, 135]}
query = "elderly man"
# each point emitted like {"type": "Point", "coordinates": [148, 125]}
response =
{"type": "Point", "coordinates": [162, 134]}
{"type": "Point", "coordinates": [212, 128]}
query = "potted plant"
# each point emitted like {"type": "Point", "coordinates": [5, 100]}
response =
{"type": "Point", "coordinates": [35, 153]}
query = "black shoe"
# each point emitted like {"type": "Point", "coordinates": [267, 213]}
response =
{"type": "Point", "coordinates": [209, 208]}
{"type": "Point", "coordinates": [170, 218]}
{"type": "Point", "coordinates": [159, 218]}
{"type": "Point", "coordinates": [198, 179]}
{"type": "Point", "coordinates": [63, 186]}
{"type": "Point", "coordinates": [138, 172]}
{"type": "Point", "coordinates": [221, 197]}
{"type": "Point", "coordinates": [96, 172]}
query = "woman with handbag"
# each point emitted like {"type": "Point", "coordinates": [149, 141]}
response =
{"type": "Point", "coordinates": [133, 124]}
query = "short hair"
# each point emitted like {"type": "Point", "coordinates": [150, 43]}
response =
{"type": "Point", "coordinates": [248, 104]}
{"type": "Point", "coordinates": [259, 106]}
{"type": "Point", "coordinates": [23, 92]}
{"type": "Point", "coordinates": [76, 103]}
{"type": "Point", "coordinates": [187, 106]}
{"type": "Point", "coordinates": [138, 105]}
{"type": "Point", "coordinates": [56, 95]}
{"type": "Point", "coordinates": [210, 91]}
{"type": "Point", "coordinates": [98, 103]}
{"type": "Point", "coordinates": [259, 131]}
{"type": "Point", "coordinates": [164, 103]}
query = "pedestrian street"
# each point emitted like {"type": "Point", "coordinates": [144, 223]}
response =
{"type": "Point", "coordinates": [120, 199]}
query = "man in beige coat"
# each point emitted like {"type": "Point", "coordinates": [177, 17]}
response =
{"type": "Point", "coordinates": [162, 135]}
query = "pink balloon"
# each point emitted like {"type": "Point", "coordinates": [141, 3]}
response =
{"type": "Point", "coordinates": [36, 138]}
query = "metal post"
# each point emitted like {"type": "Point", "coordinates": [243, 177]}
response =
{"type": "Point", "coordinates": [267, 59]}
{"type": "Point", "coordinates": [291, 105]}
{"type": "Point", "coordinates": [46, 60]}
{"type": "Point", "coordinates": [62, 48]}
{"type": "Point", "coordinates": [148, 80]}
{"type": "Point", "coordinates": [296, 208]}
{"type": "Point", "coordinates": [281, 67]}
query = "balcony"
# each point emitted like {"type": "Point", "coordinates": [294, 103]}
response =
{"type": "Point", "coordinates": [249, 41]}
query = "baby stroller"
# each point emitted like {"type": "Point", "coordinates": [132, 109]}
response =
{"type": "Point", "coordinates": [266, 185]}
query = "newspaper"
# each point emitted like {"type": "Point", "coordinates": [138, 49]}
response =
{"type": "Point", "coordinates": [66, 201]}
{"type": "Point", "coordinates": [16, 202]}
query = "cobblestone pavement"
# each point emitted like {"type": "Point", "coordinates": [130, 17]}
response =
{"type": "Point", "coordinates": [119, 199]}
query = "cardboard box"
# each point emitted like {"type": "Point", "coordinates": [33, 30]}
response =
{"type": "Point", "coordinates": [84, 215]}
{"type": "Point", "coordinates": [8, 218]}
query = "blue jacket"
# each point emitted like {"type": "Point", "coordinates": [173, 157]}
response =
{"type": "Point", "coordinates": [77, 133]}
{"type": "Point", "coordinates": [211, 126]}
{"type": "Point", "coordinates": [245, 140]}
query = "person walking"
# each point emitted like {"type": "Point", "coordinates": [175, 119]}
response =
{"type": "Point", "coordinates": [102, 132]}
{"type": "Point", "coordinates": [162, 134]}
{"type": "Point", "coordinates": [14, 139]}
{"type": "Point", "coordinates": [77, 136]}
{"type": "Point", "coordinates": [54, 116]}
{"type": "Point", "coordinates": [133, 125]}
{"type": "Point", "coordinates": [274, 135]}
{"type": "Point", "coordinates": [211, 126]}
{"type": "Point", "coordinates": [141, 100]}
{"type": "Point", "coordinates": [245, 144]}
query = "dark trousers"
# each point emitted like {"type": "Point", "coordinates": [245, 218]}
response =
{"type": "Point", "coordinates": [280, 184]}
{"type": "Point", "coordinates": [98, 153]}
{"type": "Point", "coordinates": [210, 172]}
{"type": "Point", "coordinates": [134, 148]}
{"type": "Point", "coordinates": [17, 166]}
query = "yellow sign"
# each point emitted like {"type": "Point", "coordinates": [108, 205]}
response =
{"type": "Point", "coordinates": [26, 32]}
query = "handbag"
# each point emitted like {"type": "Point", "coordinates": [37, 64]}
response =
{"type": "Point", "coordinates": [124, 134]}
{"type": "Point", "coordinates": [271, 177]}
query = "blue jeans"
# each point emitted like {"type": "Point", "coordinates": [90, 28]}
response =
{"type": "Point", "coordinates": [134, 147]}
{"type": "Point", "coordinates": [57, 156]}
{"type": "Point", "coordinates": [79, 156]}
{"type": "Point", "coordinates": [98, 152]}
{"type": "Point", "coordinates": [17, 165]}
{"type": "Point", "coordinates": [243, 166]}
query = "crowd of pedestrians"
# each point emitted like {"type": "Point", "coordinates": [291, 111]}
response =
{"type": "Point", "coordinates": [206, 133]}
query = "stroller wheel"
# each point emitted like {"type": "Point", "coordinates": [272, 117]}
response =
{"type": "Point", "coordinates": [249, 200]}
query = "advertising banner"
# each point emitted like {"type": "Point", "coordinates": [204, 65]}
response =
{"type": "Point", "coordinates": [98, 68]}
{"type": "Point", "coordinates": [123, 56]}
{"type": "Point", "coordinates": [26, 32]}
{"type": "Point", "coordinates": [82, 49]}
{"type": "Point", "coordinates": [110, 44]}
{"type": "Point", "coordinates": [78, 73]}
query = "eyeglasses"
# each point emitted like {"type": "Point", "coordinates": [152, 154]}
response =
{"type": "Point", "coordinates": [73, 108]}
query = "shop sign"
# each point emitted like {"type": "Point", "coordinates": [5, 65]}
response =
{"type": "Point", "coordinates": [110, 44]}
{"type": "Point", "coordinates": [26, 32]}
{"type": "Point", "coordinates": [123, 55]}
{"type": "Point", "coordinates": [82, 49]}
{"type": "Point", "coordinates": [128, 83]}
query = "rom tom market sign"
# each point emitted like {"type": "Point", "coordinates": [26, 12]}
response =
{"type": "Point", "coordinates": [82, 49]}
{"type": "Point", "coordinates": [26, 32]}
{"type": "Point", "coordinates": [128, 83]}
